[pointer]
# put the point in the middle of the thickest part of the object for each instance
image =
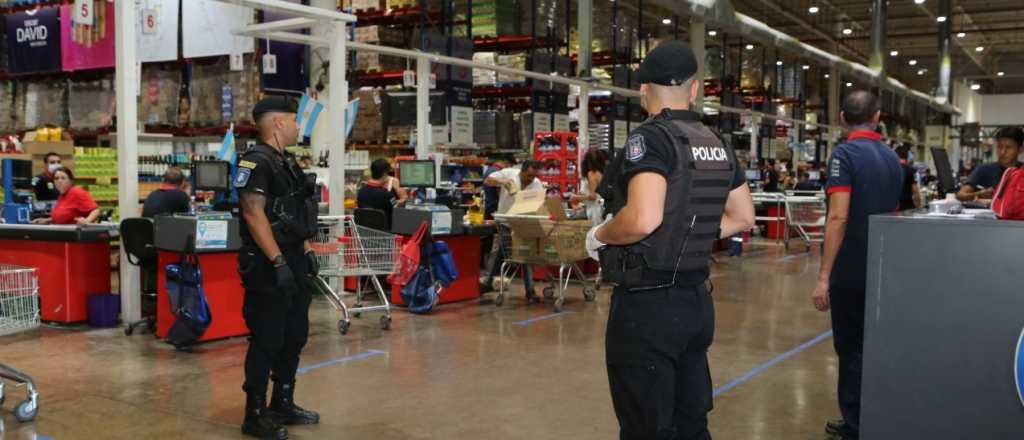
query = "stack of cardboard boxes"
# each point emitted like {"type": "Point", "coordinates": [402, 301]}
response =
{"type": "Point", "coordinates": [542, 233]}
{"type": "Point", "coordinates": [369, 125]}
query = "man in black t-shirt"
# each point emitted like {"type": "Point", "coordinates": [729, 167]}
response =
{"type": "Point", "coordinates": [909, 197]}
{"type": "Point", "coordinates": [170, 198]}
{"type": "Point", "coordinates": [984, 179]}
{"type": "Point", "coordinates": [375, 194]}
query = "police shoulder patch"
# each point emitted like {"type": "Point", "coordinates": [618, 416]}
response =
{"type": "Point", "coordinates": [636, 147]}
{"type": "Point", "coordinates": [242, 177]}
{"type": "Point", "coordinates": [246, 164]}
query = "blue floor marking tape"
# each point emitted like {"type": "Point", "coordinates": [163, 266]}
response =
{"type": "Point", "coordinates": [792, 257]}
{"type": "Point", "coordinates": [541, 318]}
{"type": "Point", "coordinates": [760, 368]}
{"type": "Point", "coordinates": [341, 360]}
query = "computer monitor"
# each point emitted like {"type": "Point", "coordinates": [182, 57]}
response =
{"type": "Point", "coordinates": [814, 175]}
{"type": "Point", "coordinates": [211, 175]}
{"type": "Point", "coordinates": [417, 173]}
{"type": "Point", "coordinates": [944, 171]}
{"type": "Point", "coordinates": [753, 174]}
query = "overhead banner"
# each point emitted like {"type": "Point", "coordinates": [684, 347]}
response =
{"type": "Point", "coordinates": [156, 33]}
{"type": "Point", "coordinates": [207, 29]}
{"type": "Point", "coordinates": [33, 41]}
{"type": "Point", "coordinates": [87, 47]}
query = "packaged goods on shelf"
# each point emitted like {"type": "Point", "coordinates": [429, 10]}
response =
{"type": "Point", "coordinates": [91, 103]}
{"type": "Point", "coordinates": [484, 77]}
{"type": "Point", "coordinates": [95, 162]}
{"type": "Point", "coordinates": [369, 61]}
{"type": "Point", "coordinates": [220, 96]}
{"type": "Point", "coordinates": [393, 4]}
{"type": "Point", "coordinates": [367, 4]}
{"type": "Point", "coordinates": [493, 128]}
{"type": "Point", "coordinates": [599, 136]}
{"type": "Point", "coordinates": [515, 61]}
{"type": "Point", "coordinates": [369, 125]}
{"type": "Point", "coordinates": [400, 134]}
{"type": "Point", "coordinates": [161, 87]}
{"type": "Point", "coordinates": [7, 114]}
{"type": "Point", "coordinates": [40, 103]}
{"type": "Point", "coordinates": [379, 35]}
{"type": "Point", "coordinates": [546, 15]}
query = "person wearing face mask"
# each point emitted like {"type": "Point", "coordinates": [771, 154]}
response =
{"type": "Point", "coordinates": [74, 204]}
{"type": "Point", "coordinates": [43, 183]}
{"type": "Point", "coordinates": [276, 264]}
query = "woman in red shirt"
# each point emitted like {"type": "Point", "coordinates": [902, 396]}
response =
{"type": "Point", "coordinates": [74, 205]}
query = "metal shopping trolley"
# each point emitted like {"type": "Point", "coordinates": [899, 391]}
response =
{"type": "Point", "coordinates": [806, 214]}
{"type": "Point", "coordinates": [19, 311]}
{"type": "Point", "coordinates": [345, 249]}
{"type": "Point", "coordinates": [565, 255]}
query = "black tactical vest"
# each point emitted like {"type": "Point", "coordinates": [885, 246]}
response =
{"type": "Point", "coordinates": [695, 199]}
{"type": "Point", "coordinates": [291, 205]}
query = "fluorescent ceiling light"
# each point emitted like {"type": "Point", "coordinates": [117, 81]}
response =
{"type": "Point", "coordinates": [894, 53]}
{"type": "Point", "coordinates": [849, 84]}
{"type": "Point", "coordinates": [712, 33]}
{"type": "Point", "coordinates": [922, 71]}
{"type": "Point", "coordinates": [847, 31]}
{"type": "Point", "coordinates": [919, 2]}
{"type": "Point", "coordinates": [1001, 73]}
{"type": "Point", "coordinates": [961, 34]}
{"type": "Point", "coordinates": [941, 19]}
{"type": "Point", "coordinates": [778, 63]}
{"type": "Point", "coordinates": [979, 48]}
{"type": "Point", "coordinates": [826, 76]}
{"type": "Point", "coordinates": [813, 9]}
{"type": "Point", "coordinates": [666, 21]}
{"type": "Point", "coordinates": [912, 62]}
{"type": "Point", "coordinates": [975, 86]}
{"type": "Point", "coordinates": [750, 47]}
{"type": "Point", "coordinates": [806, 67]}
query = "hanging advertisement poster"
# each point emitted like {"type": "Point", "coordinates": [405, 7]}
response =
{"type": "Point", "coordinates": [33, 41]}
{"type": "Point", "coordinates": [84, 46]}
{"type": "Point", "coordinates": [207, 29]}
{"type": "Point", "coordinates": [157, 36]}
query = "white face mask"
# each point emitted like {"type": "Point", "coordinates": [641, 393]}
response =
{"type": "Point", "coordinates": [53, 167]}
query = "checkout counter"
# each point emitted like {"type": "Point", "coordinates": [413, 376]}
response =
{"type": "Point", "coordinates": [217, 241]}
{"type": "Point", "coordinates": [71, 262]}
{"type": "Point", "coordinates": [943, 329]}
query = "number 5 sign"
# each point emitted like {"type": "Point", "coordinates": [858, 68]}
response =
{"type": "Point", "coordinates": [149, 21]}
{"type": "Point", "coordinates": [84, 13]}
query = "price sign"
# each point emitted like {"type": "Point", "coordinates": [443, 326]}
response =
{"type": "Point", "coordinates": [269, 64]}
{"type": "Point", "coordinates": [237, 62]}
{"type": "Point", "coordinates": [409, 78]}
{"type": "Point", "coordinates": [83, 13]}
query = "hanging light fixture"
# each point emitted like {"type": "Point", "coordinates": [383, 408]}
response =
{"type": "Point", "coordinates": [812, 9]}
{"type": "Point", "coordinates": [894, 53]}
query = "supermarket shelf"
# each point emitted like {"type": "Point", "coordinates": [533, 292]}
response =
{"type": "Point", "coordinates": [502, 92]}
{"type": "Point", "coordinates": [509, 43]}
{"type": "Point", "coordinates": [379, 78]}
{"type": "Point", "coordinates": [96, 178]}
{"type": "Point", "coordinates": [381, 146]}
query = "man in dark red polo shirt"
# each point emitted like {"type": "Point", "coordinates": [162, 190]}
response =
{"type": "Point", "coordinates": [865, 178]}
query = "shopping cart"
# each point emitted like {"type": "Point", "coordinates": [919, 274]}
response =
{"type": "Point", "coordinates": [19, 311]}
{"type": "Point", "coordinates": [516, 255]}
{"type": "Point", "coordinates": [807, 216]}
{"type": "Point", "coordinates": [345, 249]}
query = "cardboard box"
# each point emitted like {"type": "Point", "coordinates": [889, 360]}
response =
{"type": "Point", "coordinates": [64, 147]}
{"type": "Point", "coordinates": [367, 4]}
{"type": "Point", "coordinates": [379, 35]}
{"type": "Point", "coordinates": [542, 232]}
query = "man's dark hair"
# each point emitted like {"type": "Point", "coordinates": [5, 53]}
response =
{"type": "Point", "coordinates": [174, 176]}
{"type": "Point", "coordinates": [1014, 133]}
{"type": "Point", "coordinates": [379, 168]}
{"type": "Point", "coordinates": [903, 152]}
{"type": "Point", "coordinates": [71, 176]}
{"type": "Point", "coordinates": [859, 108]}
{"type": "Point", "coordinates": [805, 175]}
{"type": "Point", "coordinates": [530, 164]}
{"type": "Point", "coordinates": [595, 160]}
{"type": "Point", "coordinates": [46, 159]}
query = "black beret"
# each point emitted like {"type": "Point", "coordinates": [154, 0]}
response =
{"type": "Point", "coordinates": [280, 104]}
{"type": "Point", "coordinates": [672, 63]}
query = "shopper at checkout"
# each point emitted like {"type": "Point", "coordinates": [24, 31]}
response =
{"type": "Point", "coordinates": [171, 197]}
{"type": "Point", "coordinates": [593, 166]}
{"type": "Point", "coordinates": [983, 180]}
{"type": "Point", "coordinates": [511, 181]}
{"type": "Point", "coordinates": [42, 184]}
{"type": "Point", "coordinates": [382, 192]}
{"type": "Point", "coordinates": [74, 204]}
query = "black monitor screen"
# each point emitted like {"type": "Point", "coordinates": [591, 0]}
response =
{"type": "Point", "coordinates": [21, 173]}
{"type": "Point", "coordinates": [417, 173]}
{"type": "Point", "coordinates": [944, 170]}
{"type": "Point", "coordinates": [212, 175]}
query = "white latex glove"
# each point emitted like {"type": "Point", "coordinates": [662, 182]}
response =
{"type": "Point", "coordinates": [593, 244]}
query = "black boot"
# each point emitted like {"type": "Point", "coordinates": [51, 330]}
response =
{"type": "Point", "coordinates": [284, 409]}
{"type": "Point", "coordinates": [258, 421]}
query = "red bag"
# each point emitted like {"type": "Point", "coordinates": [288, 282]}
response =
{"type": "Point", "coordinates": [1008, 203]}
{"type": "Point", "coordinates": [408, 260]}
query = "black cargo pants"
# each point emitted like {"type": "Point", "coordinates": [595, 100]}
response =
{"type": "Point", "coordinates": [278, 321]}
{"type": "Point", "coordinates": [848, 339]}
{"type": "Point", "coordinates": [656, 346]}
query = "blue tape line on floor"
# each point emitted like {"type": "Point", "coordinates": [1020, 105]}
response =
{"type": "Point", "coordinates": [760, 368]}
{"type": "Point", "coordinates": [792, 257]}
{"type": "Point", "coordinates": [540, 318]}
{"type": "Point", "coordinates": [341, 360]}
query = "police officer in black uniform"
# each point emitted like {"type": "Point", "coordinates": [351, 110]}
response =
{"type": "Point", "coordinates": [276, 263]}
{"type": "Point", "coordinates": [674, 189]}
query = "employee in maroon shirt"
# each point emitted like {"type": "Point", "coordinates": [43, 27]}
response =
{"type": "Point", "coordinates": [74, 205]}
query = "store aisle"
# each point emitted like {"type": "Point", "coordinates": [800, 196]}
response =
{"type": "Point", "coordinates": [469, 371]}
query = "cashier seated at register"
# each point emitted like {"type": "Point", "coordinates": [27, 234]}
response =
{"type": "Point", "coordinates": [171, 197]}
{"type": "Point", "coordinates": [382, 191]}
{"type": "Point", "coordinates": [74, 204]}
{"type": "Point", "coordinates": [985, 178]}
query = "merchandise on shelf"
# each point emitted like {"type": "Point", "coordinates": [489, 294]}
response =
{"type": "Point", "coordinates": [365, 4]}
{"type": "Point", "coordinates": [369, 125]}
{"type": "Point", "coordinates": [39, 103]}
{"type": "Point", "coordinates": [161, 88]}
{"type": "Point", "coordinates": [220, 96]}
{"type": "Point", "coordinates": [557, 149]}
{"type": "Point", "coordinates": [369, 61]}
{"type": "Point", "coordinates": [400, 134]}
{"type": "Point", "coordinates": [7, 113]}
{"type": "Point", "coordinates": [491, 128]}
{"type": "Point", "coordinates": [91, 103]}
{"type": "Point", "coordinates": [378, 34]}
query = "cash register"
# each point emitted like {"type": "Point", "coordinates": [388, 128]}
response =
{"type": "Point", "coordinates": [443, 220]}
{"type": "Point", "coordinates": [17, 181]}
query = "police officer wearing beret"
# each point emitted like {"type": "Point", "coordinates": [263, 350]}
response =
{"type": "Point", "coordinates": [276, 263]}
{"type": "Point", "coordinates": [673, 190]}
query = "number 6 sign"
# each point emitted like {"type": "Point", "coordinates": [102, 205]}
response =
{"type": "Point", "coordinates": [84, 13]}
{"type": "Point", "coordinates": [149, 23]}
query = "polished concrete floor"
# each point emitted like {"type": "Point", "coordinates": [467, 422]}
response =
{"type": "Point", "coordinates": [467, 371]}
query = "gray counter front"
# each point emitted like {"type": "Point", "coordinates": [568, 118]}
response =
{"type": "Point", "coordinates": [944, 313]}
